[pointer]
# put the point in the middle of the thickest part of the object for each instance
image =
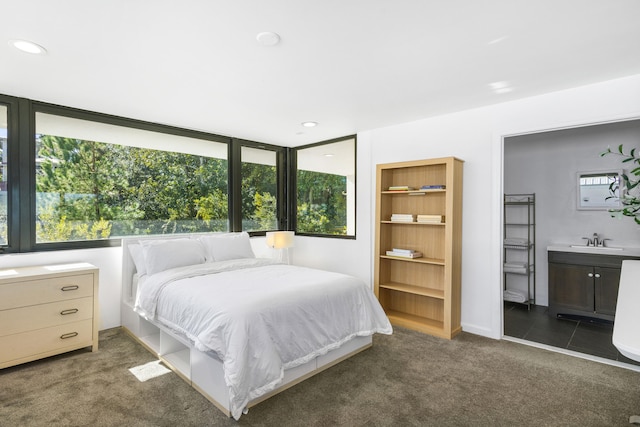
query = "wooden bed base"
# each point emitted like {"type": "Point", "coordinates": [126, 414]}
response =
{"type": "Point", "coordinates": [204, 371]}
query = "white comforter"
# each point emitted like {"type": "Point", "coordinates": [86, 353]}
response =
{"type": "Point", "coordinates": [259, 317]}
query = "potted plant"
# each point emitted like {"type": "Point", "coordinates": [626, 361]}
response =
{"type": "Point", "coordinates": [630, 197]}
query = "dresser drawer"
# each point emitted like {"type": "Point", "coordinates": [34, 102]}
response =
{"type": "Point", "coordinates": [41, 316]}
{"type": "Point", "coordinates": [32, 345]}
{"type": "Point", "coordinates": [34, 292]}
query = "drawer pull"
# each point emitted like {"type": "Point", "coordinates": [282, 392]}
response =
{"type": "Point", "coordinates": [68, 335]}
{"type": "Point", "coordinates": [69, 288]}
{"type": "Point", "coordinates": [69, 311]}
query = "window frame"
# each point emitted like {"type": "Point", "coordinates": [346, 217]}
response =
{"type": "Point", "coordinates": [15, 164]}
{"type": "Point", "coordinates": [235, 178]}
{"type": "Point", "coordinates": [21, 185]}
{"type": "Point", "coordinates": [51, 109]}
{"type": "Point", "coordinates": [292, 187]}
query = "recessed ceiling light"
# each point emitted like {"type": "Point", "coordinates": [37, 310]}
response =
{"type": "Point", "coordinates": [501, 87]}
{"type": "Point", "coordinates": [28, 47]}
{"type": "Point", "coordinates": [498, 40]}
{"type": "Point", "coordinates": [268, 38]}
{"type": "Point", "coordinates": [329, 155]}
{"type": "Point", "coordinates": [309, 124]}
{"type": "Point", "coordinates": [498, 85]}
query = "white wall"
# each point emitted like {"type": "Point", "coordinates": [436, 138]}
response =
{"type": "Point", "coordinates": [476, 137]}
{"type": "Point", "coordinates": [546, 163]}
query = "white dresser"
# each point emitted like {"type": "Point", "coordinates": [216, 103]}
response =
{"type": "Point", "coordinates": [47, 310]}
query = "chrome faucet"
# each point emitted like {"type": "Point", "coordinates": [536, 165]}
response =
{"type": "Point", "coordinates": [595, 241]}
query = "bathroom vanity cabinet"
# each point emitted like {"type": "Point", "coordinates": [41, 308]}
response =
{"type": "Point", "coordinates": [584, 284]}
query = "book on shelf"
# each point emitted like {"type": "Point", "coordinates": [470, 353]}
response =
{"type": "Point", "coordinates": [433, 187]}
{"type": "Point", "coordinates": [401, 188]}
{"type": "Point", "coordinates": [414, 254]}
{"type": "Point", "coordinates": [402, 217]}
{"type": "Point", "coordinates": [433, 219]}
{"type": "Point", "coordinates": [404, 251]}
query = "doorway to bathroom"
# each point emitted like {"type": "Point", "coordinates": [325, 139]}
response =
{"type": "Point", "coordinates": [548, 164]}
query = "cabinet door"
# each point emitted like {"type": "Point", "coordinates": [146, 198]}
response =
{"type": "Point", "coordinates": [607, 281]}
{"type": "Point", "coordinates": [570, 287]}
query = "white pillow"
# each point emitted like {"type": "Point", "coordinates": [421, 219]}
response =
{"type": "Point", "coordinates": [160, 255]}
{"type": "Point", "coordinates": [225, 246]}
{"type": "Point", "coordinates": [138, 258]}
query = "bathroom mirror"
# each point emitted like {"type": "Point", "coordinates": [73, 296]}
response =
{"type": "Point", "coordinates": [595, 190]}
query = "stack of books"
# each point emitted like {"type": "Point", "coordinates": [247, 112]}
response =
{"type": "Point", "coordinates": [431, 219]}
{"type": "Point", "coordinates": [433, 187]}
{"type": "Point", "coordinates": [402, 218]}
{"type": "Point", "coordinates": [404, 253]}
{"type": "Point", "coordinates": [400, 188]}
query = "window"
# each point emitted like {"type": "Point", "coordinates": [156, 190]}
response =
{"type": "Point", "coordinates": [259, 189]}
{"type": "Point", "coordinates": [98, 181]}
{"type": "Point", "coordinates": [325, 187]}
{"type": "Point", "coordinates": [72, 179]}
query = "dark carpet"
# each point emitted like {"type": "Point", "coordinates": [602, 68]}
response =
{"type": "Point", "coordinates": [406, 379]}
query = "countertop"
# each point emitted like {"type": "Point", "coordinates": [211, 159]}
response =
{"type": "Point", "coordinates": [594, 250]}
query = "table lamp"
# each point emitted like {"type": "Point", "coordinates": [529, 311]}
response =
{"type": "Point", "coordinates": [282, 241]}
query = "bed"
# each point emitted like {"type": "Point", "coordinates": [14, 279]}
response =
{"type": "Point", "coordinates": [239, 328]}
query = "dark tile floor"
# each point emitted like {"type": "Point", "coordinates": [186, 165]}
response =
{"type": "Point", "coordinates": [581, 334]}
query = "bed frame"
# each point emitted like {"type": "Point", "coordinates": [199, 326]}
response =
{"type": "Point", "coordinates": [203, 370]}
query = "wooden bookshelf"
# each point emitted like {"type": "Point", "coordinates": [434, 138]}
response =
{"type": "Point", "coordinates": [420, 293]}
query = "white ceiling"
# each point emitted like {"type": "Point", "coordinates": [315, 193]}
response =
{"type": "Point", "coordinates": [350, 65]}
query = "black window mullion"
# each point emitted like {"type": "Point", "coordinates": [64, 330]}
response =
{"type": "Point", "coordinates": [283, 204]}
{"type": "Point", "coordinates": [235, 185]}
{"type": "Point", "coordinates": [26, 197]}
{"type": "Point", "coordinates": [12, 159]}
{"type": "Point", "coordinates": [292, 189]}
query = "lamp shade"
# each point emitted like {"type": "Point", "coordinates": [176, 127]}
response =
{"type": "Point", "coordinates": [280, 239]}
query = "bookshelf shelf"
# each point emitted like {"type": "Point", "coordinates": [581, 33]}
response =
{"type": "Point", "coordinates": [413, 223]}
{"type": "Point", "coordinates": [420, 293]}
{"type": "Point", "coordinates": [418, 323]}
{"type": "Point", "coordinates": [414, 192]}
{"type": "Point", "coordinates": [418, 290]}
{"type": "Point", "coordinates": [417, 260]}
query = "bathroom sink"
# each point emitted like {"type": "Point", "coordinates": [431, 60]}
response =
{"type": "Point", "coordinates": [626, 252]}
{"type": "Point", "coordinates": [597, 248]}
